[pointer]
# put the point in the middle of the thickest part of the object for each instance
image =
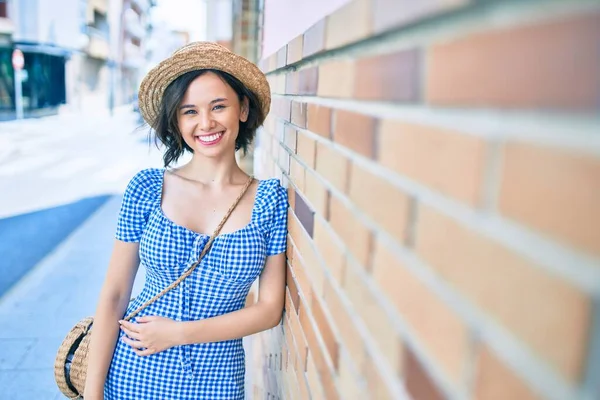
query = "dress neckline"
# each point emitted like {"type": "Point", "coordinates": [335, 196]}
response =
{"type": "Point", "coordinates": [195, 233]}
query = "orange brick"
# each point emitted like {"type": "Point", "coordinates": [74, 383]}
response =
{"type": "Point", "coordinates": [299, 114]}
{"type": "Point", "coordinates": [331, 251]}
{"type": "Point", "coordinates": [312, 266]}
{"type": "Point", "coordinates": [324, 326]}
{"type": "Point", "coordinates": [353, 233]}
{"type": "Point", "coordinates": [496, 381]}
{"type": "Point", "coordinates": [356, 13]}
{"type": "Point", "coordinates": [293, 290]}
{"type": "Point", "coordinates": [350, 382]}
{"type": "Point", "coordinates": [372, 313]}
{"type": "Point", "coordinates": [306, 149]}
{"type": "Point", "coordinates": [317, 193]}
{"type": "Point", "coordinates": [355, 131]}
{"type": "Point", "coordinates": [378, 389]}
{"type": "Point", "coordinates": [336, 79]}
{"type": "Point", "coordinates": [297, 174]}
{"type": "Point", "coordinates": [387, 205]}
{"type": "Point", "coordinates": [314, 382]}
{"type": "Point", "coordinates": [353, 342]}
{"type": "Point", "coordinates": [295, 49]}
{"type": "Point", "coordinates": [535, 63]}
{"type": "Point", "coordinates": [333, 166]}
{"type": "Point", "coordinates": [301, 342]}
{"type": "Point", "coordinates": [318, 120]}
{"type": "Point", "coordinates": [447, 161]}
{"type": "Point", "coordinates": [304, 391]}
{"type": "Point", "coordinates": [511, 289]}
{"type": "Point", "coordinates": [429, 318]}
{"type": "Point", "coordinates": [290, 136]}
{"type": "Point", "coordinates": [553, 190]}
{"type": "Point", "coordinates": [292, 82]}
{"type": "Point", "coordinates": [291, 198]}
{"type": "Point", "coordinates": [303, 282]}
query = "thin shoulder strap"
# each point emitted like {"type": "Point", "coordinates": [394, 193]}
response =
{"type": "Point", "coordinates": [202, 254]}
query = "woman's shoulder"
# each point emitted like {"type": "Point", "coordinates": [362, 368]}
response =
{"type": "Point", "coordinates": [270, 193]}
{"type": "Point", "coordinates": [146, 184]}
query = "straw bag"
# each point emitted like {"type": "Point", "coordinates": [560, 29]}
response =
{"type": "Point", "coordinates": [70, 366]}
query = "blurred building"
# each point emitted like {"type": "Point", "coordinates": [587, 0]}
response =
{"type": "Point", "coordinates": [218, 22]}
{"type": "Point", "coordinates": [85, 55]}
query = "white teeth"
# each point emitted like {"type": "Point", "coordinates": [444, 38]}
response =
{"type": "Point", "coordinates": [210, 138]}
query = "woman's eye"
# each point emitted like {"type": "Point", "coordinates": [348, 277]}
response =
{"type": "Point", "coordinates": [218, 107]}
{"type": "Point", "coordinates": [190, 112]}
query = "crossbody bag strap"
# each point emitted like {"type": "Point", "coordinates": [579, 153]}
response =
{"type": "Point", "coordinates": [202, 254]}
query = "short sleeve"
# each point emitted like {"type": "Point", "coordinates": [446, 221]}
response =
{"type": "Point", "coordinates": [277, 234]}
{"type": "Point", "coordinates": [138, 200]}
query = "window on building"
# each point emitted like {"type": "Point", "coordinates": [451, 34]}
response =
{"type": "Point", "coordinates": [3, 6]}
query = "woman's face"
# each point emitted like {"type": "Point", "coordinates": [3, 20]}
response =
{"type": "Point", "coordinates": [209, 116]}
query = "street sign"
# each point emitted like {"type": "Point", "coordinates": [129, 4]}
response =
{"type": "Point", "coordinates": [18, 60]}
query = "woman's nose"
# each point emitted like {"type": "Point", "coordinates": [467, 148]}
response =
{"type": "Point", "coordinates": [206, 123]}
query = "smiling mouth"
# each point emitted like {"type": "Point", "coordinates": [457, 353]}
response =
{"type": "Point", "coordinates": [209, 139]}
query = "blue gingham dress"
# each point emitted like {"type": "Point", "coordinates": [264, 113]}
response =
{"type": "Point", "coordinates": [219, 285]}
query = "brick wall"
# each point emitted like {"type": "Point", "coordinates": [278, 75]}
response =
{"type": "Point", "coordinates": [442, 160]}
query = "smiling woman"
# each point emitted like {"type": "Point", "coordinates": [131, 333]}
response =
{"type": "Point", "coordinates": [188, 112]}
{"type": "Point", "coordinates": [187, 342]}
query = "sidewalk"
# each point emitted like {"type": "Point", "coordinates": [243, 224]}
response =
{"type": "Point", "coordinates": [37, 313]}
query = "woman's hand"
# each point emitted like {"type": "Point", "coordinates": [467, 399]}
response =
{"type": "Point", "coordinates": [151, 334]}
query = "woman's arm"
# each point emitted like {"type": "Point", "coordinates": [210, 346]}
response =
{"type": "Point", "coordinates": [113, 301]}
{"type": "Point", "coordinates": [264, 314]}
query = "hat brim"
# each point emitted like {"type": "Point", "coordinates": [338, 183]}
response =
{"type": "Point", "coordinates": [192, 58]}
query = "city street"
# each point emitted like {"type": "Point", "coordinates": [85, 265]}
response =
{"type": "Point", "coordinates": [61, 179]}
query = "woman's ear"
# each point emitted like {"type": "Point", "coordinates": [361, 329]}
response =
{"type": "Point", "coordinates": [245, 109]}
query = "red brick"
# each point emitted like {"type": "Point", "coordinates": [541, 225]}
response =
{"type": "Point", "coordinates": [308, 81]}
{"type": "Point", "coordinates": [418, 382]}
{"type": "Point", "coordinates": [393, 77]}
{"type": "Point", "coordinates": [528, 66]}
{"type": "Point", "coordinates": [496, 381]}
{"type": "Point", "coordinates": [355, 131]}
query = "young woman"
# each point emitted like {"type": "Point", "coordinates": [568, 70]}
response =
{"type": "Point", "coordinates": [208, 101]}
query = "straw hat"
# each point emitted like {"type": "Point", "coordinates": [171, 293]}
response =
{"type": "Point", "coordinates": [194, 56]}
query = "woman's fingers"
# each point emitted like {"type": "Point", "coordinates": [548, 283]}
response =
{"type": "Point", "coordinates": [136, 344]}
{"type": "Point", "coordinates": [131, 334]}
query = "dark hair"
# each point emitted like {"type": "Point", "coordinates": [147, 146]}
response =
{"type": "Point", "coordinates": [167, 131]}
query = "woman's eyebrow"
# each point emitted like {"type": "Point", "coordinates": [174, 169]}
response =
{"type": "Point", "coordinates": [183, 106]}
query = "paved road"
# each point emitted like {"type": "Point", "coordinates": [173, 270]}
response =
{"type": "Point", "coordinates": [54, 173]}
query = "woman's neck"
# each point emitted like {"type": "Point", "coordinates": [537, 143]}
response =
{"type": "Point", "coordinates": [213, 171]}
